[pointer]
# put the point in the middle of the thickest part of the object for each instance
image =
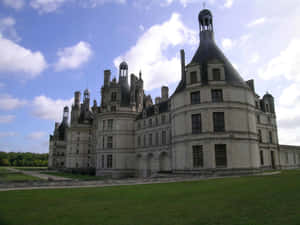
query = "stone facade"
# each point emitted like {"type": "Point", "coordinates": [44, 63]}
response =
{"type": "Point", "coordinates": [214, 122]}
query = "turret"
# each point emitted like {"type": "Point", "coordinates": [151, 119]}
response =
{"type": "Point", "coordinates": [86, 99]}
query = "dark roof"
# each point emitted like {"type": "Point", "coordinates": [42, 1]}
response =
{"type": "Point", "coordinates": [150, 111]}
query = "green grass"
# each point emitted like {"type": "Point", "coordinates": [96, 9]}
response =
{"type": "Point", "coordinates": [261, 200]}
{"type": "Point", "coordinates": [3, 170]}
{"type": "Point", "coordinates": [12, 176]}
{"type": "Point", "coordinates": [31, 168]}
{"type": "Point", "coordinates": [73, 176]}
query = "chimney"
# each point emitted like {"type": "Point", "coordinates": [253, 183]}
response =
{"type": "Point", "coordinates": [66, 115]}
{"type": "Point", "coordinates": [157, 100]}
{"type": "Point", "coordinates": [164, 93]}
{"type": "Point", "coordinates": [77, 99]}
{"type": "Point", "coordinates": [182, 57]}
{"type": "Point", "coordinates": [107, 74]}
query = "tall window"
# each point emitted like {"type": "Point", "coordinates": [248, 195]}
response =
{"type": "Point", "coordinates": [109, 142]}
{"type": "Point", "coordinates": [163, 137]}
{"type": "Point", "coordinates": [196, 124]}
{"type": "Point", "coordinates": [113, 96]}
{"type": "Point", "coordinates": [113, 108]}
{"type": "Point", "coordinates": [220, 155]}
{"type": "Point", "coordinates": [150, 122]}
{"type": "Point", "coordinates": [286, 158]}
{"type": "Point", "coordinates": [163, 119]}
{"type": "Point", "coordinates": [216, 74]}
{"type": "Point", "coordinates": [258, 118]}
{"type": "Point", "coordinates": [193, 76]}
{"type": "Point", "coordinates": [109, 161]}
{"type": "Point", "coordinates": [156, 121]}
{"type": "Point", "coordinates": [197, 156]}
{"type": "Point", "coordinates": [102, 161]}
{"type": "Point", "coordinates": [110, 124]}
{"type": "Point", "coordinates": [217, 95]}
{"type": "Point", "coordinates": [139, 141]}
{"type": "Point", "coordinates": [104, 124]}
{"type": "Point", "coordinates": [156, 138]}
{"type": "Point", "coordinates": [261, 157]}
{"type": "Point", "coordinates": [259, 136]}
{"type": "Point", "coordinates": [195, 97]}
{"type": "Point", "coordinates": [139, 125]}
{"type": "Point", "coordinates": [267, 108]}
{"type": "Point", "coordinates": [145, 140]}
{"type": "Point", "coordinates": [270, 137]}
{"type": "Point", "coordinates": [219, 122]}
{"type": "Point", "coordinates": [150, 139]}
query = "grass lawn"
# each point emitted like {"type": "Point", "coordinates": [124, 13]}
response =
{"type": "Point", "coordinates": [261, 200]}
{"type": "Point", "coordinates": [9, 176]}
{"type": "Point", "coordinates": [31, 168]}
{"type": "Point", "coordinates": [73, 176]}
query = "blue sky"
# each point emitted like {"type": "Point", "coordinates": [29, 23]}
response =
{"type": "Point", "coordinates": [51, 48]}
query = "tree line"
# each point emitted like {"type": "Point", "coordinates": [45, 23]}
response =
{"type": "Point", "coordinates": [23, 159]}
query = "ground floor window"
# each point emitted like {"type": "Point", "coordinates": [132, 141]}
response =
{"type": "Point", "coordinates": [220, 155]}
{"type": "Point", "coordinates": [109, 161]}
{"type": "Point", "coordinates": [287, 158]}
{"type": "Point", "coordinates": [102, 161]}
{"type": "Point", "coordinates": [261, 157]}
{"type": "Point", "coordinates": [197, 156]}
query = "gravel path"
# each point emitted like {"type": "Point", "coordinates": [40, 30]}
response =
{"type": "Point", "coordinates": [39, 175]}
{"type": "Point", "coordinates": [59, 184]}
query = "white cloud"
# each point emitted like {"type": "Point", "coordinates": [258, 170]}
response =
{"type": "Point", "coordinates": [228, 3]}
{"type": "Point", "coordinates": [7, 118]}
{"type": "Point", "coordinates": [257, 22]}
{"type": "Point", "coordinates": [38, 135]}
{"type": "Point", "coordinates": [227, 43]}
{"type": "Point", "coordinates": [17, 59]}
{"type": "Point", "coordinates": [7, 134]}
{"type": "Point", "coordinates": [7, 28]}
{"type": "Point", "coordinates": [254, 58]}
{"type": "Point", "coordinates": [73, 57]}
{"type": "Point", "coordinates": [95, 3]}
{"type": "Point", "coordinates": [47, 6]}
{"type": "Point", "coordinates": [49, 109]}
{"type": "Point", "coordinates": [7, 102]}
{"type": "Point", "coordinates": [149, 53]}
{"type": "Point", "coordinates": [142, 28]}
{"type": "Point", "coordinates": [285, 65]}
{"type": "Point", "coordinates": [16, 4]}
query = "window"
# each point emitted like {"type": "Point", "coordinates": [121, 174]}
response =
{"type": "Point", "coordinates": [139, 125]}
{"type": "Point", "coordinates": [139, 141]}
{"type": "Point", "coordinates": [145, 140]}
{"type": "Point", "coordinates": [103, 139]}
{"type": "Point", "coordinates": [220, 155]}
{"type": "Point", "coordinates": [216, 74]}
{"type": "Point", "coordinates": [156, 121]}
{"type": "Point", "coordinates": [267, 108]}
{"type": "Point", "coordinates": [113, 96]}
{"type": "Point", "coordinates": [109, 142]}
{"type": "Point", "coordinates": [196, 124]}
{"type": "Point", "coordinates": [144, 123]}
{"type": "Point", "coordinates": [150, 139]}
{"type": "Point", "coordinates": [109, 161]}
{"type": "Point", "coordinates": [77, 165]}
{"type": "Point", "coordinates": [89, 151]}
{"type": "Point", "coordinates": [77, 151]}
{"type": "Point", "coordinates": [217, 95]}
{"type": "Point", "coordinates": [104, 124]}
{"type": "Point", "coordinates": [258, 118]}
{"type": "Point", "coordinates": [113, 108]}
{"type": "Point", "coordinates": [193, 76]}
{"type": "Point", "coordinates": [163, 119]}
{"type": "Point", "coordinates": [110, 124]}
{"type": "Point", "coordinates": [163, 137]}
{"type": "Point", "coordinates": [286, 158]}
{"type": "Point", "coordinates": [270, 137]}
{"type": "Point", "coordinates": [259, 136]}
{"type": "Point", "coordinates": [102, 161]}
{"type": "Point", "coordinates": [195, 97]}
{"type": "Point", "coordinates": [150, 122]}
{"type": "Point", "coordinates": [256, 104]}
{"type": "Point", "coordinates": [156, 138]}
{"type": "Point", "coordinates": [197, 156]}
{"type": "Point", "coordinates": [261, 157]}
{"type": "Point", "coordinates": [219, 122]}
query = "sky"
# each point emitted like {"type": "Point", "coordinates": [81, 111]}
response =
{"type": "Point", "coordinates": [51, 48]}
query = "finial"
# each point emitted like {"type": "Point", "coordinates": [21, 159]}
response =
{"type": "Point", "coordinates": [140, 74]}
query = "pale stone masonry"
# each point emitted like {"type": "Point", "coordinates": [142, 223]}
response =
{"type": "Point", "coordinates": [214, 123]}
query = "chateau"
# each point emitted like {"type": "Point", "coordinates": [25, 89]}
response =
{"type": "Point", "coordinates": [214, 123]}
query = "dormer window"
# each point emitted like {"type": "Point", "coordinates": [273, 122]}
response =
{"type": "Point", "coordinates": [193, 76]}
{"type": "Point", "coordinates": [216, 74]}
